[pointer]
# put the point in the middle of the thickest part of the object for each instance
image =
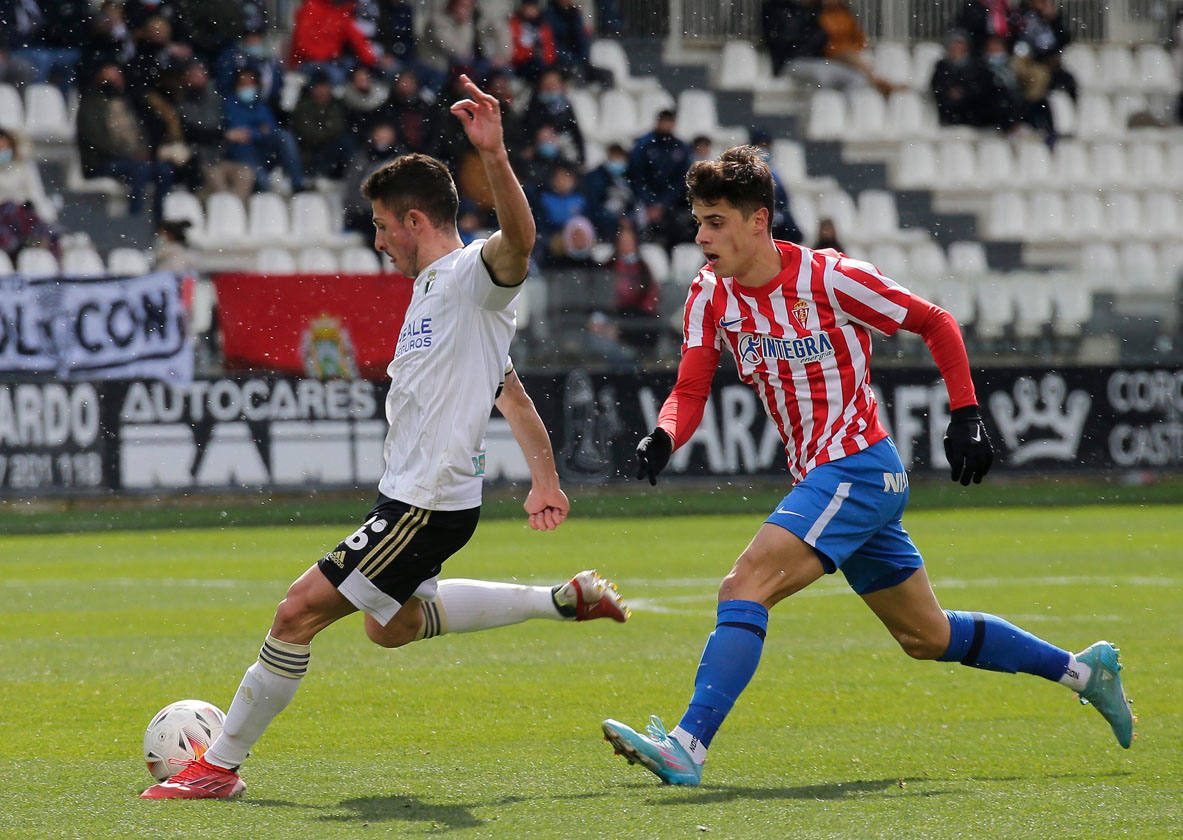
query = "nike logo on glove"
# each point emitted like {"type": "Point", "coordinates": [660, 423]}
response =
{"type": "Point", "coordinates": [976, 437]}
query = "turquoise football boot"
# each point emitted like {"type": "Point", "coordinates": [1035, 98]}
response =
{"type": "Point", "coordinates": [656, 752]}
{"type": "Point", "coordinates": [1104, 690]}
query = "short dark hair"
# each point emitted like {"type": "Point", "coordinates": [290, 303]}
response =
{"type": "Point", "coordinates": [415, 182]}
{"type": "Point", "coordinates": [739, 175]}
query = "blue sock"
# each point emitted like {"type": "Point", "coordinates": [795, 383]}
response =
{"type": "Point", "coordinates": [986, 641]}
{"type": "Point", "coordinates": [728, 661]}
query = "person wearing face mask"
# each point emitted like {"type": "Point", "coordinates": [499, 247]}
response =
{"type": "Point", "coordinates": [113, 142]}
{"type": "Point", "coordinates": [1002, 100]}
{"type": "Point", "coordinates": [549, 104]}
{"type": "Point", "coordinates": [610, 197]}
{"type": "Point", "coordinates": [203, 125]}
{"type": "Point", "coordinates": [25, 210]}
{"type": "Point", "coordinates": [251, 53]}
{"type": "Point", "coordinates": [657, 169]}
{"type": "Point", "coordinates": [958, 84]}
{"type": "Point", "coordinates": [255, 137]}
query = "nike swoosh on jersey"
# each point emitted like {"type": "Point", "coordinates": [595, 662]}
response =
{"type": "Point", "coordinates": [724, 324]}
{"type": "Point", "coordinates": [790, 512]}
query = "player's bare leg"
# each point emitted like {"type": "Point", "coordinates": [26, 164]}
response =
{"type": "Point", "coordinates": [775, 564]}
{"type": "Point", "coordinates": [912, 615]}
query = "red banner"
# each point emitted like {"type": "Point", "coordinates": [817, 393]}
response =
{"type": "Point", "coordinates": [326, 326]}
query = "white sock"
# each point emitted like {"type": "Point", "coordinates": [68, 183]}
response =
{"type": "Point", "coordinates": [266, 689]}
{"type": "Point", "coordinates": [1077, 675]}
{"type": "Point", "coordinates": [465, 606]}
{"type": "Point", "coordinates": [696, 748]}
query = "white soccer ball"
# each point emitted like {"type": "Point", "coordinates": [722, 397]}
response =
{"type": "Point", "coordinates": [180, 732]}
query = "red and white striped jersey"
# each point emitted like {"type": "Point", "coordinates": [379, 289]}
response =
{"type": "Point", "coordinates": [803, 341]}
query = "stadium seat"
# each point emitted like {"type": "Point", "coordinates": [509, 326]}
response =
{"type": "Point", "coordinates": [37, 262]}
{"type": "Point", "coordinates": [201, 312]}
{"type": "Point", "coordinates": [994, 305]}
{"type": "Point", "coordinates": [83, 262]}
{"type": "Point", "coordinates": [1115, 66]}
{"type": "Point", "coordinates": [738, 67]}
{"type": "Point", "coordinates": [957, 297]}
{"type": "Point", "coordinates": [1033, 164]}
{"type": "Point", "coordinates": [1007, 216]}
{"type": "Point", "coordinates": [1140, 270]}
{"type": "Point", "coordinates": [925, 55]}
{"type": "Point", "coordinates": [1174, 164]}
{"type": "Point", "coordinates": [1073, 302]}
{"type": "Point", "coordinates": [1099, 265]}
{"type": "Point", "coordinates": [1034, 308]}
{"type": "Point", "coordinates": [1095, 117]}
{"type": "Point", "coordinates": [46, 117]}
{"type": "Point", "coordinates": [867, 115]}
{"type": "Point", "coordinates": [685, 261]}
{"type": "Point", "coordinates": [1080, 59]}
{"type": "Point", "coordinates": [1160, 216]}
{"type": "Point", "coordinates": [928, 260]}
{"type": "Point", "coordinates": [908, 115]}
{"type": "Point", "coordinates": [916, 165]}
{"type": "Point", "coordinates": [996, 164]}
{"type": "Point", "coordinates": [360, 260]}
{"type": "Point", "coordinates": [316, 261]}
{"type": "Point", "coordinates": [788, 161]}
{"type": "Point", "coordinates": [827, 116]}
{"type": "Point", "coordinates": [1147, 164]}
{"type": "Point", "coordinates": [657, 260]}
{"type": "Point", "coordinates": [610, 55]}
{"type": "Point", "coordinates": [128, 262]}
{"type": "Point", "coordinates": [893, 62]}
{"type": "Point", "coordinates": [12, 108]}
{"type": "Point", "coordinates": [957, 164]}
{"type": "Point", "coordinates": [587, 111]}
{"type": "Point", "coordinates": [226, 221]}
{"type": "Point", "coordinates": [967, 259]}
{"type": "Point", "coordinates": [878, 218]}
{"type": "Point", "coordinates": [275, 261]}
{"type": "Point", "coordinates": [1063, 112]}
{"type": "Point", "coordinates": [619, 120]}
{"type": "Point", "coordinates": [840, 207]}
{"type": "Point", "coordinates": [803, 206]}
{"type": "Point", "coordinates": [649, 102]}
{"type": "Point", "coordinates": [1171, 264]}
{"type": "Point", "coordinates": [6, 266]}
{"type": "Point", "coordinates": [892, 262]}
{"type": "Point", "coordinates": [1070, 165]}
{"type": "Point", "coordinates": [696, 113]}
{"type": "Point", "coordinates": [311, 220]}
{"type": "Point", "coordinates": [1154, 69]}
{"type": "Point", "coordinates": [1123, 216]}
{"type": "Point", "coordinates": [180, 205]}
{"type": "Point", "coordinates": [267, 214]}
{"type": "Point", "coordinates": [1080, 217]}
{"type": "Point", "coordinates": [289, 94]}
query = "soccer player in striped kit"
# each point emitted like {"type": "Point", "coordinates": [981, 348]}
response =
{"type": "Point", "coordinates": [449, 370]}
{"type": "Point", "coordinates": [798, 324]}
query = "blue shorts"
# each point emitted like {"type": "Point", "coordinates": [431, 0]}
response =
{"type": "Point", "coordinates": [849, 512]}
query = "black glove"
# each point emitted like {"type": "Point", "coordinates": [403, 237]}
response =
{"type": "Point", "coordinates": [653, 453]}
{"type": "Point", "coordinates": [967, 446]}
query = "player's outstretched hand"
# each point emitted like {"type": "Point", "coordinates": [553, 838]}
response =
{"type": "Point", "coordinates": [967, 446]}
{"type": "Point", "coordinates": [653, 453]}
{"type": "Point", "coordinates": [480, 115]}
{"type": "Point", "coordinates": [547, 508]}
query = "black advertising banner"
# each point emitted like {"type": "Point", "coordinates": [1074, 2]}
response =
{"type": "Point", "coordinates": [268, 432]}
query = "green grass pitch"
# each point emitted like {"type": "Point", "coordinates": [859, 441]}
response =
{"type": "Point", "coordinates": [496, 734]}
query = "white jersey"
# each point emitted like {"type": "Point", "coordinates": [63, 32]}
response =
{"type": "Point", "coordinates": [448, 362]}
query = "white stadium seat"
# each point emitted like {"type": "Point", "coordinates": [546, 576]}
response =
{"type": "Point", "coordinates": [1047, 216]}
{"type": "Point", "coordinates": [1070, 165]}
{"type": "Point", "coordinates": [1161, 216]}
{"type": "Point", "coordinates": [996, 164]}
{"type": "Point", "coordinates": [909, 115]}
{"type": "Point", "coordinates": [1007, 216]}
{"type": "Point", "coordinates": [1115, 66]}
{"type": "Point", "coordinates": [180, 205]}
{"type": "Point", "coordinates": [867, 114]}
{"type": "Point", "coordinates": [1095, 117]}
{"type": "Point", "coordinates": [1080, 59]}
{"type": "Point", "coordinates": [37, 262]}
{"type": "Point", "coordinates": [685, 261]}
{"type": "Point", "coordinates": [12, 108]}
{"type": "Point", "coordinates": [803, 206]}
{"type": "Point", "coordinates": [957, 296]}
{"type": "Point", "coordinates": [128, 262]}
{"type": "Point", "coordinates": [892, 262]}
{"type": "Point", "coordinates": [738, 67]}
{"type": "Point", "coordinates": [1099, 265]}
{"type": "Point", "coordinates": [1081, 217]}
{"type": "Point", "coordinates": [1140, 270]}
{"type": "Point", "coordinates": [696, 113]}
{"type": "Point", "coordinates": [1147, 164]}
{"type": "Point", "coordinates": [1034, 309]}
{"type": "Point", "coordinates": [587, 111]}
{"type": "Point", "coordinates": [1155, 70]}
{"type": "Point", "coordinates": [957, 164]}
{"type": "Point", "coordinates": [916, 165]}
{"type": "Point", "coordinates": [226, 223]}
{"type": "Point", "coordinates": [893, 62]}
{"type": "Point", "coordinates": [1123, 215]}
{"type": "Point", "coordinates": [827, 116]}
{"type": "Point", "coordinates": [994, 303]}
{"type": "Point", "coordinates": [1063, 112]}
{"type": "Point", "coordinates": [83, 262]}
{"type": "Point", "coordinates": [311, 220]}
{"type": "Point", "coordinates": [657, 260]}
{"type": "Point", "coordinates": [46, 116]}
{"type": "Point", "coordinates": [275, 261]}
{"type": "Point", "coordinates": [840, 207]}
{"type": "Point", "coordinates": [360, 260]}
{"type": "Point", "coordinates": [316, 261]}
{"type": "Point", "coordinates": [1073, 303]}
{"type": "Point", "coordinates": [967, 259]}
{"type": "Point", "coordinates": [619, 120]}
{"type": "Point", "coordinates": [649, 102]}
{"type": "Point", "coordinates": [928, 260]}
{"type": "Point", "coordinates": [1033, 164]}
{"type": "Point", "coordinates": [268, 219]}
{"type": "Point", "coordinates": [788, 161]}
{"type": "Point", "coordinates": [610, 55]}
{"type": "Point", "coordinates": [925, 55]}
{"type": "Point", "coordinates": [878, 218]}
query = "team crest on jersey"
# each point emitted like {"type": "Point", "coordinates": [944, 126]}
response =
{"type": "Point", "coordinates": [427, 283]}
{"type": "Point", "coordinates": [814, 347]}
{"type": "Point", "coordinates": [327, 350]}
{"type": "Point", "coordinates": [801, 312]}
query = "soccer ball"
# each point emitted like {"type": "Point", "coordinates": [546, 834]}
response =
{"type": "Point", "coordinates": [180, 732]}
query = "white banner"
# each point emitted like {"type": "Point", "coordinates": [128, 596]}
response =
{"type": "Point", "coordinates": [102, 328]}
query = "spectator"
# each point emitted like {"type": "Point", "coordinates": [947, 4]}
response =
{"type": "Point", "coordinates": [107, 40]}
{"type": "Point", "coordinates": [252, 53]}
{"type": "Point", "coordinates": [458, 34]}
{"type": "Point", "coordinates": [47, 35]}
{"type": "Point", "coordinates": [536, 159]}
{"type": "Point", "coordinates": [322, 31]}
{"type": "Point", "coordinates": [846, 42]}
{"type": "Point", "coordinates": [25, 211]}
{"type": "Point", "coordinates": [609, 195]}
{"type": "Point", "coordinates": [381, 146]}
{"type": "Point", "coordinates": [790, 30]}
{"type": "Point", "coordinates": [701, 148]}
{"type": "Point", "coordinates": [155, 55]}
{"type": "Point", "coordinates": [471, 222]}
{"type": "Point", "coordinates": [255, 137]}
{"type": "Point", "coordinates": [574, 245]}
{"type": "Point", "coordinates": [602, 344]}
{"type": "Point", "coordinates": [827, 236]}
{"type": "Point", "coordinates": [532, 41]}
{"type": "Point", "coordinates": [513, 125]}
{"type": "Point", "coordinates": [572, 41]}
{"type": "Point", "coordinates": [958, 84]}
{"type": "Point", "coordinates": [203, 124]}
{"type": "Point", "coordinates": [170, 248]}
{"type": "Point", "coordinates": [1042, 36]}
{"type": "Point", "coordinates": [1002, 103]}
{"type": "Point", "coordinates": [113, 143]}
{"type": "Point", "coordinates": [211, 27]}
{"type": "Point", "coordinates": [137, 12]}
{"type": "Point", "coordinates": [363, 98]}
{"type": "Point", "coordinates": [394, 35]}
{"type": "Point", "coordinates": [636, 292]}
{"type": "Point", "coordinates": [549, 105]}
{"type": "Point", "coordinates": [783, 225]}
{"type": "Point", "coordinates": [980, 19]}
{"type": "Point", "coordinates": [411, 111]}
{"type": "Point", "coordinates": [657, 172]}
{"type": "Point", "coordinates": [320, 124]}
{"type": "Point", "coordinates": [559, 202]}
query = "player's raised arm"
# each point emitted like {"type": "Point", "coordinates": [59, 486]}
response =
{"type": "Point", "coordinates": [507, 252]}
{"type": "Point", "coordinates": [546, 503]}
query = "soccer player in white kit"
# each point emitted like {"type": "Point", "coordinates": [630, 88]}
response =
{"type": "Point", "coordinates": [449, 369]}
{"type": "Point", "coordinates": [798, 323]}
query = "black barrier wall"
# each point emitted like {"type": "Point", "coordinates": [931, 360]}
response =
{"type": "Point", "coordinates": [264, 432]}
